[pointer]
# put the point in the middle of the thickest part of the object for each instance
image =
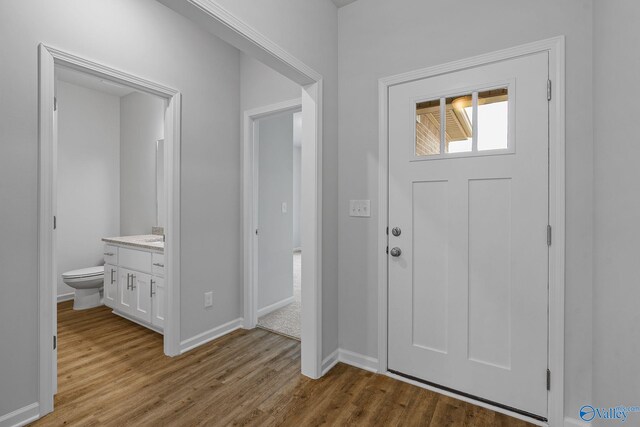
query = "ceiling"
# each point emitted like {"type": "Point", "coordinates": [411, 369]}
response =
{"type": "Point", "coordinates": [341, 3]}
{"type": "Point", "coordinates": [91, 82]}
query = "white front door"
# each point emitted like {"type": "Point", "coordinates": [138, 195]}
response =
{"type": "Point", "coordinates": [468, 200]}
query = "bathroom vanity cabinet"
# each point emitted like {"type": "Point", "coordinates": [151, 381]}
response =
{"type": "Point", "coordinates": [134, 284]}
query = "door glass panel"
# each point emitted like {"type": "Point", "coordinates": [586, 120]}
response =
{"type": "Point", "coordinates": [493, 119]}
{"type": "Point", "coordinates": [459, 125]}
{"type": "Point", "coordinates": [428, 128]}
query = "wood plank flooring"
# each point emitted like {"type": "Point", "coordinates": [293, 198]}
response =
{"type": "Point", "coordinates": [112, 372]}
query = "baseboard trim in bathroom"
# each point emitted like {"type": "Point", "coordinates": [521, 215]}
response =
{"type": "Point", "coordinates": [65, 297]}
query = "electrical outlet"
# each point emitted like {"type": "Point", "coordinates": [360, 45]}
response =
{"type": "Point", "coordinates": [360, 208]}
{"type": "Point", "coordinates": [208, 299]}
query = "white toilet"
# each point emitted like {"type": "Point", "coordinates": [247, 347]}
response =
{"type": "Point", "coordinates": [88, 283]}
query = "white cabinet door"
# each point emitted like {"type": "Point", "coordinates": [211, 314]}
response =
{"type": "Point", "coordinates": [125, 296]}
{"type": "Point", "coordinates": [141, 284]}
{"type": "Point", "coordinates": [158, 301]}
{"type": "Point", "coordinates": [110, 285]}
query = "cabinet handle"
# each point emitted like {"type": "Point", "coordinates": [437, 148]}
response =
{"type": "Point", "coordinates": [157, 264]}
{"type": "Point", "coordinates": [151, 292]}
{"type": "Point", "coordinates": [112, 271]}
{"type": "Point", "coordinates": [128, 280]}
{"type": "Point", "coordinates": [133, 281]}
{"type": "Point", "coordinates": [109, 254]}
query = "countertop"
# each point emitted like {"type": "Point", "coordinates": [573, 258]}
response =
{"type": "Point", "coordinates": [145, 241]}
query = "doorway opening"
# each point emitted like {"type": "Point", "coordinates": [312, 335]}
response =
{"type": "Point", "coordinates": [277, 146]}
{"type": "Point", "coordinates": [108, 214]}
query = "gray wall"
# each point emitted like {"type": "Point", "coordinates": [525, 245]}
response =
{"type": "Point", "coordinates": [141, 125]}
{"type": "Point", "coordinates": [378, 38]}
{"type": "Point", "coordinates": [88, 181]}
{"type": "Point", "coordinates": [275, 182]}
{"type": "Point", "coordinates": [617, 227]}
{"type": "Point", "coordinates": [144, 38]}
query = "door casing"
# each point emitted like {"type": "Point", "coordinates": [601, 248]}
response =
{"type": "Point", "coordinates": [49, 58]}
{"type": "Point", "coordinates": [556, 49]}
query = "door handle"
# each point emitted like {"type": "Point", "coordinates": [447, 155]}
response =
{"type": "Point", "coordinates": [396, 252]}
{"type": "Point", "coordinates": [112, 271]}
{"type": "Point", "coordinates": [396, 231]}
{"type": "Point", "coordinates": [151, 293]}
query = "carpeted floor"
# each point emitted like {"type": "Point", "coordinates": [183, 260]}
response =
{"type": "Point", "coordinates": [286, 320]}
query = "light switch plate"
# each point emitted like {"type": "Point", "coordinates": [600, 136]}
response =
{"type": "Point", "coordinates": [360, 208]}
{"type": "Point", "coordinates": [208, 299]}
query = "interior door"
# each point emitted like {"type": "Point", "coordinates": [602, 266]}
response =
{"type": "Point", "coordinates": [468, 216]}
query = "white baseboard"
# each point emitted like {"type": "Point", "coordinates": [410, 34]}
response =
{"type": "Point", "coordinates": [210, 335]}
{"type": "Point", "coordinates": [273, 307]}
{"type": "Point", "coordinates": [572, 422]}
{"type": "Point", "coordinates": [358, 360]}
{"type": "Point", "coordinates": [330, 361]}
{"type": "Point", "coordinates": [21, 416]}
{"type": "Point", "coordinates": [66, 297]}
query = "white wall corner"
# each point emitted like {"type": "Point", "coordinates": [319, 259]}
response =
{"type": "Point", "coordinates": [358, 360]}
{"type": "Point", "coordinates": [21, 416]}
{"type": "Point", "coordinates": [572, 422]}
{"type": "Point", "coordinates": [210, 335]}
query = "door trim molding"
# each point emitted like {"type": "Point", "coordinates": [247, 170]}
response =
{"type": "Point", "coordinates": [556, 49]}
{"type": "Point", "coordinates": [49, 58]}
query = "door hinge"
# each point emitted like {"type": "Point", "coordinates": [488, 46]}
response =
{"type": "Point", "coordinates": [548, 90]}
{"type": "Point", "coordinates": [548, 235]}
{"type": "Point", "coordinates": [55, 104]}
{"type": "Point", "coordinates": [55, 342]}
{"type": "Point", "coordinates": [55, 222]}
{"type": "Point", "coordinates": [256, 231]}
{"type": "Point", "coordinates": [548, 379]}
{"type": "Point", "coordinates": [387, 230]}
{"type": "Point", "coordinates": [387, 250]}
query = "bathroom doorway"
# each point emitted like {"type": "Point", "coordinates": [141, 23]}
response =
{"type": "Point", "coordinates": [109, 188]}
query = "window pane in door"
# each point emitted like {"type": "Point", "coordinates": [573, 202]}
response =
{"type": "Point", "coordinates": [493, 119]}
{"type": "Point", "coordinates": [459, 124]}
{"type": "Point", "coordinates": [428, 128]}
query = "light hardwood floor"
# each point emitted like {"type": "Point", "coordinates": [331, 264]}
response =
{"type": "Point", "coordinates": [112, 372]}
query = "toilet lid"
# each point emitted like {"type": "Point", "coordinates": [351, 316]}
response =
{"type": "Point", "coordinates": [84, 272]}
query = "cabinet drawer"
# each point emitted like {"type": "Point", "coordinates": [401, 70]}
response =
{"type": "Point", "coordinates": [157, 266]}
{"type": "Point", "coordinates": [110, 255]}
{"type": "Point", "coordinates": [135, 260]}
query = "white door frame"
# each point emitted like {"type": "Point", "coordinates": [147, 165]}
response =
{"type": "Point", "coordinates": [556, 49]}
{"type": "Point", "coordinates": [49, 58]}
{"type": "Point", "coordinates": [311, 325]}
{"type": "Point", "coordinates": [251, 190]}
